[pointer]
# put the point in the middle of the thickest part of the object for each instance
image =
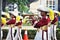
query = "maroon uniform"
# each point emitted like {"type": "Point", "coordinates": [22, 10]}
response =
{"type": "Point", "coordinates": [12, 21]}
{"type": "Point", "coordinates": [48, 20]}
{"type": "Point", "coordinates": [42, 22]}
{"type": "Point", "coordinates": [19, 23]}
{"type": "Point", "coordinates": [55, 20]}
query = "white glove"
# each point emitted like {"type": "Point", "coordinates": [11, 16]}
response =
{"type": "Point", "coordinates": [35, 23]}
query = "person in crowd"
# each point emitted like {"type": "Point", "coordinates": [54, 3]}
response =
{"type": "Point", "coordinates": [3, 22]}
{"type": "Point", "coordinates": [19, 27]}
{"type": "Point", "coordinates": [11, 24]}
{"type": "Point", "coordinates": [42, 24]}
{"type": "Point", "coordinates": [54, 25]}
{"type": "Point", "coordinates": [49, 31]}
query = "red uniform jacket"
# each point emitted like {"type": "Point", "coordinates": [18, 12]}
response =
{"type": "Point", "coordinates": [19, 23]}
{"type": "Point", "coordinates": [55, 20]}
{"type": "Point", "coordinates": [48, 20]}
{"type": "Point", "coordinates": [43, 21]}
{"type": "Point", "coordinates": [12, 21]}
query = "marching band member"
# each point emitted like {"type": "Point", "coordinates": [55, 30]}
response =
{"type": "Point", "coordinates": [11, 23]}
{"type": "Point", "coordinates": [54, 25]}
{"type": "Point", "coordinates": [3, 22]}
{"type": "Point", "coordinates": [42, 24]}
{"type": "Point", "coordinates": [49, 31]}
{"type": "Point", "coordinates": [2, 25]}
{"type": "Point", "coordinates": [50, 18]}
{"type": "Point", "coordinates": [19, 26]}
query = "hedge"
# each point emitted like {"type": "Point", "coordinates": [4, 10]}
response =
{"type": "Point", "coordinates": [31, 34]}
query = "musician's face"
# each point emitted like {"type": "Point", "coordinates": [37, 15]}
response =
{"type": "Point", "coordinates": [43, 13]}
{"type": "Point", "coordinates": [12, 15]}
{"type": "Point", "coordinates": [55, 14]}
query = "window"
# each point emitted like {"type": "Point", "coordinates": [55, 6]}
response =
{"type": "Point", "coordinates": [53, 6]}
{"type": "Point", "coordinates": [53, 9]}
{"type": "Point", "coordinates": [11, 7]}
{"type": "Point", "coordinates": [50, 3]}
{"type": "Point", "coordinates": [47, 2]}
{"type": "Point", "coordinates": [53, 2]}
{"type": "Point", "coordinates": [50, 6]}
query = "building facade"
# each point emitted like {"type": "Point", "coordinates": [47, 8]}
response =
{"type": "Point", "coordinates": [52, 4]}
{"type": "Point", "coordinates": [58, 5]}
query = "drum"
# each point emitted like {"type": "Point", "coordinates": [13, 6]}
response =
{"type": "Point", "coordinates": [44, 27]}
{"type": "Point", "coordinates": [12, 25]}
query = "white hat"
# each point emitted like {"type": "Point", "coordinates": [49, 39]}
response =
{"type": "Point", "coordinates": [14, 13]}
{"type": "Point", "coordinates": [21, 17]}
{"type": "Point", "coordinates": [3, 13]}
{"type": "Point", "coordinates": [56, 11]}
{"type": "Point", "coordinates": [41, 8]}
